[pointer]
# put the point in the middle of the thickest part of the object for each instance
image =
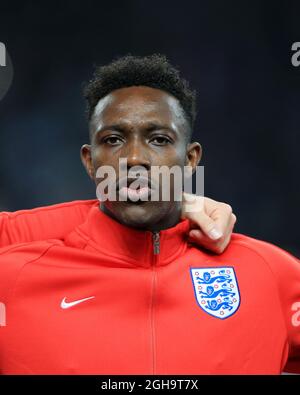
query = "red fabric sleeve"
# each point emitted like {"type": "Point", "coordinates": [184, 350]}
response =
{"type": "Point", "coordinates": [286, 270]}
{"type": "Point", "coordinates": [49, 222]}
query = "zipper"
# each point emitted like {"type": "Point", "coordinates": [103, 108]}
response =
{"type": "Point", "coordinates": [156, 242]}
{"type": "Point", "coordinates": [156, 251]}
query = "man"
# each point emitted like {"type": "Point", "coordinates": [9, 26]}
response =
{"type": "Point", "coordinates": [124, 292]}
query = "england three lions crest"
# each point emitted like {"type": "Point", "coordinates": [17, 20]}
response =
{"type": "Point", "coordinates": [216, 290]}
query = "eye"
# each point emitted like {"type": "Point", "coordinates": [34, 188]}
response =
{"type": "Point", "coordinates": [161, 140]}
{"type": "Point", "coordinates": [112, 140]}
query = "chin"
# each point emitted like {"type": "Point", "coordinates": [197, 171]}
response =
{"type": "Point", "coordinates": [137, 215]}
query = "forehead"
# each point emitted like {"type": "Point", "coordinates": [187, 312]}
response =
{"type": "Point", "coordinates": [138, 104]}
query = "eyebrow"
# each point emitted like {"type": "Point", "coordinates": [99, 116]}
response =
{"type": "Point", "coordinates": [150, 126]}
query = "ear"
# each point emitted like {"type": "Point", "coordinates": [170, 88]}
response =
{"type": "Point", "coordinates": [193, 155]}
{"type": "Point", "coordinates": [86, 158]}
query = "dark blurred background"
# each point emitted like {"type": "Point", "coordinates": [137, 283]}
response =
{"type": "Point", "coordinates": [236, 54]}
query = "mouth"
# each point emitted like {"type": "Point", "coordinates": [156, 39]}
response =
{"type": "Point", "coordinates": [135, 190]}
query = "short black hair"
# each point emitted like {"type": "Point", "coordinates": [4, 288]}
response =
{"type": "Point", "coordinates": [154, 71]}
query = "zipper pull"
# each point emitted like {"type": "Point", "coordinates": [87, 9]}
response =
{"type": "Point", "coordinates": [156, 243]}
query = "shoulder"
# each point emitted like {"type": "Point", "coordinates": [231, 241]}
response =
{"type": "Point", "coordinates": [43, 210]}
{"type": "Point", "coordinates": [281, 262]}
{"type": "Point", "coordinates": [15, 257]}
{"type": "Point", "coordinates": [265, 248]}
{"type": "Point", "coordinates": [27, 251]}
{"type": "Point", "coordinates": [41, 223]}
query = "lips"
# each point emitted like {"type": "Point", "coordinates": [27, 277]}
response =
{"type": "Point", "coordinates": [134, 189]}
{"type": "Point", "coordinates": [135, 194]}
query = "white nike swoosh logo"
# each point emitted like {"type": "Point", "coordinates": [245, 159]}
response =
{"type": "Point", "coordinates": [67, 305]}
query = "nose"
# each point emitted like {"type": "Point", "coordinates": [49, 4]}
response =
{"type": "Point", "coordinates": [136, 154]}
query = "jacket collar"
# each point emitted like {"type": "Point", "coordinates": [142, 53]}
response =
{"type": "Point", "coordinates": [104, 234]}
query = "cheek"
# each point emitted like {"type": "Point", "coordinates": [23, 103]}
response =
{"type": "Point", "coordinates": [173, 156]}
{"type": "Point", "coordinates": [101, 157]}
{"type": "Point", "coordinates": [105, 166]}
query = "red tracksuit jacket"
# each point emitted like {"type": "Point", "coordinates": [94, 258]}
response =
{"type": "Point", "coordinates": [109, 299]}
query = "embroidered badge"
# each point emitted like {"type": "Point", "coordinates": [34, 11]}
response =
{"type": "Point", "coordinates": [216, 290]}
